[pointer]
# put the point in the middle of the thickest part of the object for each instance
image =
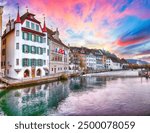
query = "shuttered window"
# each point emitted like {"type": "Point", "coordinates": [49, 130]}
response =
{"type": "Point", "coordinates": [27, 24]}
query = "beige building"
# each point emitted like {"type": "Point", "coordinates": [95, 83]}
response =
{"type": "Point", "coordinates": [58, 53]}
{"type": "Point", "coordinates": [1, 12]}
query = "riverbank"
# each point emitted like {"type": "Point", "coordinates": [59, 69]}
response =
{"type": "Point", "coordinates": [8, 83]}
{"type": "Point", "coordinates": [12, 83]}
{"type": "Point", "coordinates": [123, 73]}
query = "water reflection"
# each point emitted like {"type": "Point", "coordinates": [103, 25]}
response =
{"type": "Point", "coordinates": [80, 96]}
{"type": "Point", "coordinates": [37, 100]}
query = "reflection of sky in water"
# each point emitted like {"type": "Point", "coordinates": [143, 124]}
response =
{"type": "Point", "coordinates": [80, 96]}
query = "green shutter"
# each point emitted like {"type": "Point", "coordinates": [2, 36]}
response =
{"type": "Point", "coordinates": [37, 50]}
{"type": "Point", "coordinates": [29, 48]}
{"type": "Point", "coordinates": [41, 62]}
{"type": "Point", "coordinates": [30, 36]}
{"type": "Point", "coordinates": [23, 62]}
{"type": "Point", "coordinates": [36, 62]}
{"type": "Point", "coordinates": [30, 62]}
{"type": "Point", "coordinates": [41, 39]}
{"type": "Point", "coordinates": [37, 38]}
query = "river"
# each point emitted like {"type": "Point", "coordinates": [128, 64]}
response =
{"type": "Point", "coordinates": [79, 96]}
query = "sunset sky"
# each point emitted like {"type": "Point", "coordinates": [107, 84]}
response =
{"type": "Point", "coordinates": [120, 26]}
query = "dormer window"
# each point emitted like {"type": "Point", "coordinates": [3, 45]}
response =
{"type": "Point", "coordinates": [27, 24]}
{"type": "Point", "coordinates": [32, 26]}
{"type": "Point", "coordinates": [37, 27]}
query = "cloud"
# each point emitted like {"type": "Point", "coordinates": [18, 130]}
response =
{"type": "Point", "coordinates": [105, 24]}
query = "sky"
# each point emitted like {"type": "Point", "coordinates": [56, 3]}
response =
{"type": "Point", "coordinates": [119, 26]}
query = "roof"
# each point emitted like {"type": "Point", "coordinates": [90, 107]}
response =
{"type": "Point", "coordinates": [50, 36]}
{"type": "Point", "coordinates": [27, 16]}
{"type": "Point", "coordinates": [18, 20]}
{"type": "Point", "coordinates": [124, 61]}
{"type": "Point", "coordinates": [117, 60]}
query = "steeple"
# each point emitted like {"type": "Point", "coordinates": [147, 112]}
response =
{"type": "Point", "coordinates": [44, 27]}
{"type": "Point", "coordinates": [18, 20]}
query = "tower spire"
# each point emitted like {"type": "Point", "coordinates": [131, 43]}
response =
{"type": "Point", "coordinates": [18, 20]}
{"type": "Point", "coordinates": [44, 27]}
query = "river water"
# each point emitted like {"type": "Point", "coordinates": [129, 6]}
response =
{"type": "Point", "coordinates": [80, 96]}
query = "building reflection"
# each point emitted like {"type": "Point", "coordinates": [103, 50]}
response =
{"type": "Point", "coordinates": [35, 100]}
{"type": "Point", "coordinates": [86, 83]}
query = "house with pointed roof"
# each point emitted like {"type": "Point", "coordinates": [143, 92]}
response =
{"type": "Point", "coordinates": [24, 48]}
{"type": "Point", "coordinates": [58, 53]}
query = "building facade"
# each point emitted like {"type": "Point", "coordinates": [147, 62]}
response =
{"type": "Point", "coordinates": [58, 53]}
{"type": "Point", "coordinates": [91, 61]}
{"type": "Point", "coordinates": [1, 12]}
{"type": "Point", "coordinates": [113, 64]}
{"type": "Point", "coordinates": [24, 48]}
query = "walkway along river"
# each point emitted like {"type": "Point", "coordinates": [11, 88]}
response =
{"type": "Point", "coordinates": [80, 96]}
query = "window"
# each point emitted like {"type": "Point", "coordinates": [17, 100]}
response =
{"type": "Point", "coordinates": [26, 49]}
{"type": "Point", "coordinates": [25, 36]}
{"type": "Point", "coordinates": [17, 45]}
{"type": "Point", "coordinates": [4, 42]}
{"type": "Point", "coordinates": [32, 37]}
{"type": "Point", "coordinates": [17, 32]}
{"type": "Point", "coordinates": [52, 69]}
{"type": "Point", "coordinates": [37, 27]}
{"type": "Point", "coordinates": [44, 50]}
{"type": "Point", "coordinates": [32, 26]}
{"type": "Point", "coordinates": [33, 49]}
{"type": "Point", "coordinates": [44, 62]}
{"type": "Point", "coordinates": [7, 71]}
{"type": "Point", "coordinates": [44, 40]}
{"type": "Point", "coordinates": [27, 24]}
{"type": "Point", "coordinates": [3, 52]}
{"type": "Point", "coordinates": [17, 62]}
{"type": "Point", "coordinates": [33, 62]}
{"type": "Point", "coordinates": [25, 62]}
{"type": "Point", "coordinates": [41, 39]}
{"type": "Point", "coordinates": [37, 38]}
{"type": "Point", "coordinates": [41, 50]}
{"type": "Point", "coordinates": [37, 50]}
{"type": "Point", "coordinates": [47, 52]}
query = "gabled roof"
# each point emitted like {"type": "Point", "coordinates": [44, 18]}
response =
{"type": "Point", "coordinates": [50, 36]}
{"type": "Point", "coordinates": [29, 16]}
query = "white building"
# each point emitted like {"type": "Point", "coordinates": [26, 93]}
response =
{"type": "Point", "coordinates": [91, 61]}
{"type": "Point", "coordinates": [1, 12]}
{"type": "Point", "coordinates": [58, 53]}
{"type": "Point", "coordinates": [24, 48]}
{"type": "Point", "coordinates": [113, 64]}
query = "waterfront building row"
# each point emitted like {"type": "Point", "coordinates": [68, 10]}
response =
{"type": "Point", "coordinates": [95, 59]}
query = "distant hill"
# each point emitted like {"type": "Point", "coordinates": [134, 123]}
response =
{"type": "Point", "coordinates": [134, 61]}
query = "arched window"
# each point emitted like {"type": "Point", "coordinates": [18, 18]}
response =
{"type": "Point", "coordinates": [26, 73]}
{"type": "Point", "coordinates": [38, 72]}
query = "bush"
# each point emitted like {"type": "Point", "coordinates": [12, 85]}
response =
{"type": "Point", "coordinates": [64, 77]}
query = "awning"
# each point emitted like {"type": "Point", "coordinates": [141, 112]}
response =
{"type": "Point", "coordinates": [46, 69]}
{"type": "Point", "coordinates": [17, 70]}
